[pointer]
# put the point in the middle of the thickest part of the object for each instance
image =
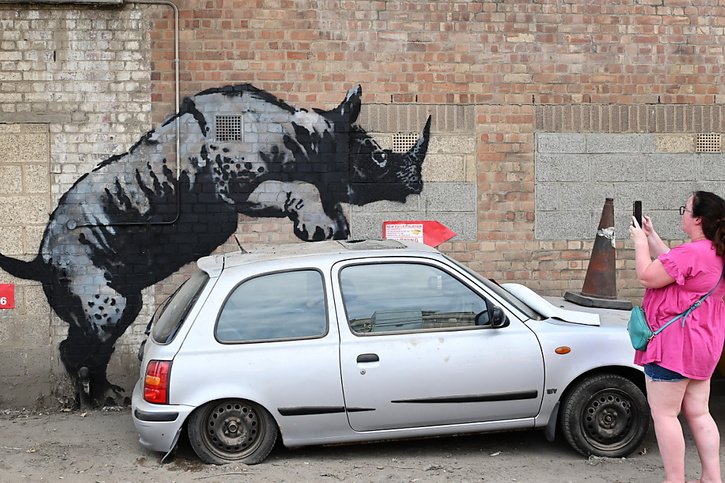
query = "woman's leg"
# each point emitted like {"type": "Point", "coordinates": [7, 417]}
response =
{"type": "Point", "coordinates": [665, 401]}
{"type": "Point", "coordinates": [695, 407]}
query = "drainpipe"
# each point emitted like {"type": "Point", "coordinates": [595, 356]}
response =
{"type": "Point", "coordinates": [176, 108]}
{"type": "Point", "coordinates": [176, 119]}
{"type": "Point", "coordinates": [72, 224]}
{"type": "Point", "coordinates": [176, 55]}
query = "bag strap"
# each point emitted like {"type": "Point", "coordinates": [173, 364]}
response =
{"type": "Point", "coordinates": [687, 312]}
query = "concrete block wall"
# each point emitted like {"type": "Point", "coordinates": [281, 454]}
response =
{"type": "Point", "coordinates": [583, 156]}
{"type": "Point", "coordinates": [75, 89]}
{"type": "Point", "coordinates": [576, 172]}
{"type": "Point", "coordinates": [24, 205]}
{"type": "Point", "coordinates": [449, 194]}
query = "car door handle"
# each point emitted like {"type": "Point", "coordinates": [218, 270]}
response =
{"type": "Point", "coordinates": [368, 358]}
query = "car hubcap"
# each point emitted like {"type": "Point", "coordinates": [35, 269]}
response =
{"type": "Point", "coordinates": [607, 419]}
{"type": "Point", "coordinates": [233, 429]}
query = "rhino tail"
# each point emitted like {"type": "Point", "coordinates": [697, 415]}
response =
{"type": "Point", "coordinates": [35, 269]}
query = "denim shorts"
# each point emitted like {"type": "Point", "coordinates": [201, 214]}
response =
{"type": "Point", "coordinates": [660, 374]}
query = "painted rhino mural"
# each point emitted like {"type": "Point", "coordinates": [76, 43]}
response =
{"type": "Point", "coordinates": [138, 217]}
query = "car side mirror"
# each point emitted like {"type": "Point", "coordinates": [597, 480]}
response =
{"type": "Point", "coordinates": [498, 318]}
{"type": "Point", "coordinates": [493, 317]}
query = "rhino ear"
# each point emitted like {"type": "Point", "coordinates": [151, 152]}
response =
{"type": "Point", "coordinates": [349, 109]}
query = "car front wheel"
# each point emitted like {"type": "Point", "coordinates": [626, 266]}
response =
{"type": "Point", "coordinates": [605, 415]}
{"type": "Point", "coordinates": [232, 430]}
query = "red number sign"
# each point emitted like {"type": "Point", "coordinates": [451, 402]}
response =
{"type": "Point", "coordinates": [7, 296]}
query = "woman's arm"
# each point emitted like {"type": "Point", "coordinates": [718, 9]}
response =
{"type": "Point", "coordinates": [656, 246]}
{"type": "Point", "coordinates": [651, 273]}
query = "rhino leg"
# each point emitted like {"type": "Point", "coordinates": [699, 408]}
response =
{"type": "Point", "coordinates": [302, 203]}
{"type": "Point", "coordinates": [96, 320]}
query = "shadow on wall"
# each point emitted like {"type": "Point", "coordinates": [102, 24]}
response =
{"type": "Point", "coordinates": [137, 217]}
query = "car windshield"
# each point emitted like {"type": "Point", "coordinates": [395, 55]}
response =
{"type": "Point", "coordinates": [171, 314]}
{"type": "Point", "coordinates": [500, 291]}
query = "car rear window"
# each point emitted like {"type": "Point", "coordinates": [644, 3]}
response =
{"type": "Point", "coordinates": [171, 314]}
{"type": "Point", "coordinates": [276, 306]}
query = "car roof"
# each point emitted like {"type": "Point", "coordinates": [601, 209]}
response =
{"type": "Point", "coordinates": [336, 248]}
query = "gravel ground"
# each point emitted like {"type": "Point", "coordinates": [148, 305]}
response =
{"type": "Point", "coordinates": [102, 446]}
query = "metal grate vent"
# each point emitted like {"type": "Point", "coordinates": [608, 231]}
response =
{"type": "Point", "coordinates": [228, 128]}
{"type": "Point", "coordinates": [402, 141]}
{"type": "Point", "coordinates": [708, 143]}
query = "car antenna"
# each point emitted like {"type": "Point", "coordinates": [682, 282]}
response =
{"type": "Point", "coordinates": [240, 245]}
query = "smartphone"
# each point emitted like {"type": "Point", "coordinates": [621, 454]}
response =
{"type": "Point", "coordinates": [637, 212]}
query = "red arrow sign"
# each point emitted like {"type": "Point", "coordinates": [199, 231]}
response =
{"type": "Point", "coordinates": [432, 233]}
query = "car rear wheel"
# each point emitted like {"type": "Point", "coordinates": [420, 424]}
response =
{"type": "Point", "coordinates": [232, 430]}
{"type": "Point", "coordinates": [605, 415]}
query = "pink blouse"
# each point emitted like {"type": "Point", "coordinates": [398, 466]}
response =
{"type": "Point", "coordinates": [693, 350]}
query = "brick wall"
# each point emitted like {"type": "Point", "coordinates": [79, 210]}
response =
{"type": "Point", "coordinates": [493, 74]}
{"type": "Point", "coordinates": [515, 63]}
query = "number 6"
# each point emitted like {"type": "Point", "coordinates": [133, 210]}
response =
{"type": "Point", "coordinates": [3, 300]}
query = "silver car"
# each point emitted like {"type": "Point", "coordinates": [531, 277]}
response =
{"type": "Point", "coordinates": [348, 341]}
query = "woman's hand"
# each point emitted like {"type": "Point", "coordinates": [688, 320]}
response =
{"type": "Point", "coordinates": [647, 225]}
{"type": "Point", "coordinates": [637, 233]}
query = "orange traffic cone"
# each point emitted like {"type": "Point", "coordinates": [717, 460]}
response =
{"type": "Point", "coordinates": [600, 284]}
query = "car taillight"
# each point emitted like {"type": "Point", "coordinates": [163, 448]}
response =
{"type": "Point", "coordinates": [156, 382]}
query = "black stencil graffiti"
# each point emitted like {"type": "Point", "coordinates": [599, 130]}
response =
{"type": "Point", "coordinates": [138, 217]}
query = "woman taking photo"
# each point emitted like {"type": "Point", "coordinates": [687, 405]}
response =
{"type": "Point", "coordinates": [680, 361]}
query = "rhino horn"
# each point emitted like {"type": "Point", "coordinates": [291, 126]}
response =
{"type": "Point", "coordinates": [418, 151]}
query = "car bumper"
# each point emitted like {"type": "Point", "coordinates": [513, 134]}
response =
{"type": "Point", "coordinates": [158, 425]}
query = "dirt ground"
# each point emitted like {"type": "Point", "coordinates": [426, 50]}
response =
{"type": "Point", "coordinates": [101, 446]}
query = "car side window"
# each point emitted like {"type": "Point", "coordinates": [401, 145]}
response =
{"type": "Point", "coordinates": [286, 305]}
{"type": "Point", "coordinates": [389, 297]}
